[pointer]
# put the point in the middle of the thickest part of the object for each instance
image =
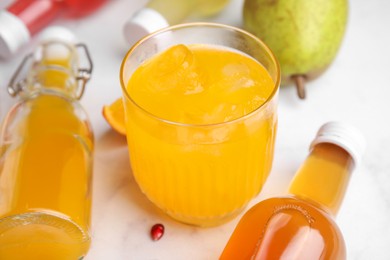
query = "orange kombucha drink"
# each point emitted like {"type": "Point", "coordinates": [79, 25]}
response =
{"type": "Point", "coordinates": [201, 123]}
{"type": "Point", "coordinates": [302, 226]}
{"type": "Point", "coordinates": [45, 170]}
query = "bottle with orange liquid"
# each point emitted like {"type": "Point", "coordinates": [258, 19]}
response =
{"type": "Point", "coordinates": [301, 226]}
{"type": "Point", "coordinates": [46, 146]}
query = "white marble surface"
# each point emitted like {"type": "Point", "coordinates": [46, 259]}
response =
{"type": "Point", "coordinates": [355, 89]}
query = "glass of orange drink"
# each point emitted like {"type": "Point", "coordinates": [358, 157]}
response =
{"type": "Point", "coordinates": [201, 118]}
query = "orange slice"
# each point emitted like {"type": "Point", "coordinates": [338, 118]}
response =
{"type": "Point", "coordinates": [115, 116]}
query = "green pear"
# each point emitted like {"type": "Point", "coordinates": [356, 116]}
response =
{"type": "Point", "coordinates": [305, 35]}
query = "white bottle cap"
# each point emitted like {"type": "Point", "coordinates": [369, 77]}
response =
{"type": "Point", "coordinates": [13, 34]}
{"type": "Point", "coordinates": [344, 135]}
{"type": "Point", "coordinates": [143, 23]}
{"type": "Point", "coordinates": [57, 33]}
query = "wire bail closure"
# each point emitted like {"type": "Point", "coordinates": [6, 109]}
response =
{"type": "Point", "coordinates": [17, 82]}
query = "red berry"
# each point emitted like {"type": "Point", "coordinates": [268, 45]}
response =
{"type": "Point", "coordinates": [157, 231]}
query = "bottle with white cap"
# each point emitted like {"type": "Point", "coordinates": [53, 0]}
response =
{"type": "Point", "coordinates": [24, 18]}
{"type": "Point", "coordinates": [46, 147]}
{"type": "Point", "coordinates": [162, 13]}
{"type": "Point", "coordinates": [301, 226]}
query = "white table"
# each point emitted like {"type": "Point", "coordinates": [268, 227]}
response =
{"type": "Point", "coordinates": [355, 89]}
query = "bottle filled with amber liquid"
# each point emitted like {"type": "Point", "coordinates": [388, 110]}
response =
{"type": "Point", "coordinates": [301, 225]}
{"type": "Point", "coordinates": [46, 152]}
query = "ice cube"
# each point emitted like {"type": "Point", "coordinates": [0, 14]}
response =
{"type": "Point", "coordinates": [192, 83]}
{"type": "Point", "coordinates": [233, 69]}
{"type": "Point", "coordinates": [172, 61]}
{"type": "Point", "coordinates": [165, 71]}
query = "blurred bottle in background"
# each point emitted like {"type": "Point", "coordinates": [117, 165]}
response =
{"type": "Point", "coordinates": [24, 18]}
{"type": "Point", "coordinates": [162, 13]}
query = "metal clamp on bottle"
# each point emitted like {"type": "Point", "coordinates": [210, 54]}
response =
{"type": "Point", "coordinates": [82, 74]}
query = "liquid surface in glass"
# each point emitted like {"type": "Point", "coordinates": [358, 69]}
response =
{"type": "Point", "coordinates": [200, 84]}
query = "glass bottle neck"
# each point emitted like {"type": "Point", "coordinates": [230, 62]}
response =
{"type": "Point", "coordinates": [178, 10]}
{"type": "Point", "coordinates": [174, 12]}
{"type": "Point", "coordinates": [54, 70]}
{"type": "Point", "coordinates": [324, 176]}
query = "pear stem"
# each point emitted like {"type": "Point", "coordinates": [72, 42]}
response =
{"type": "Point", "coordinates": [300, 84]}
